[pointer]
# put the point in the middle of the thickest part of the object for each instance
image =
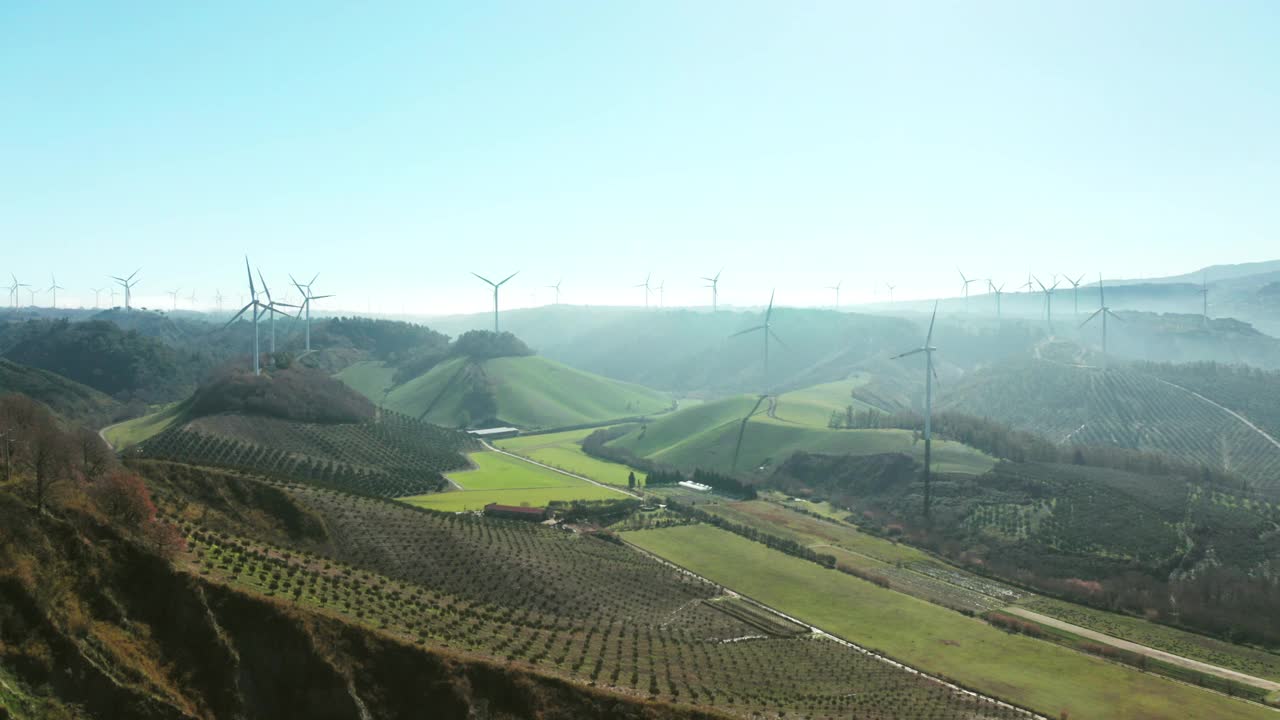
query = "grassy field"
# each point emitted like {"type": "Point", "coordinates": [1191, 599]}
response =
{"type": "Point", "coordinates": [132, 432]}
{"type": "Point", "coordinates": [564, 451]}
{"type": "Point", "coordinates": [530, 392]}
{"type": "Point", "coordinates": [503, 479]}
{"type": "Point", "coordinates": [1258, 663]}
{"type": "Point", "coordinates": [370, 378]}
{"type": "Point", "coordinates": [813, 406]}
{"type": "Point", "coordinates": [705, 436]}
{"type": "Point", "coordinates": [1037, 674]}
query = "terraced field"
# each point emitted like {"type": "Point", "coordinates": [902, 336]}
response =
{"type": "Point", "coordinates": [391, 457]}
{"type": "Point", "coordinates": [1121, 408]}
{"type": "Point", "coordinates": [570, 605]}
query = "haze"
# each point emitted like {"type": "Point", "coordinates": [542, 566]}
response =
{"type": "Point", "coordinates": [395, 149]}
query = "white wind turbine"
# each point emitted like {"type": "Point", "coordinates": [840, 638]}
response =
{"type": "Point", "coordinates": [496, 285]}
{"type": "Point", "coordinates": [1104, 311]}
{"type": "Point", "coordinates": [556, 287]}
{"type": "Point", "coordinates": [259, 309]}
{"type": "Point", "coordinates": [54, 287]}
{"type": "Point", "coordinates": [929, 375]}
{"type": "Point", "coordinates": [16, 288]}
{"type": "Point", "coordinates": [891, 287]}
{"type": "Point", "coordinates": [1075, 294]}
{"type": "Point", "coordinates": [273, 304]}
{"type": "Point", "coordinates": [714, 283]}
{"type": "Point", "coordinates": [965, 287]}
{"type": "Point", "coordinates": [127, 283]}
{"type": "Point", "coordinates": [836, 287]}
{"type": "Point", "coordinates": [1048, 301]}
{"type": "Point", "coordinates": [766, 329]}
{"type": "Point", "coordinates": [645, 285]}
{"type": "Point", "coordinates": [997, 291]}
{"type": "Point", "coordinates": [97, 293]}
{"type": "Point", "coordinates": [174, 294]}
{"type": "Point", "coordinates": [307, 297]}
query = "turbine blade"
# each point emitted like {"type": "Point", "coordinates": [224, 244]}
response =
{"type": "Point", "coordinates": [483, 278]}
{"type": "Point", "coordinates": [907, 353]}
{"type": "Point", "coordinates": [777, 339]}
{"type": "Point", "coordinates": [1114, 315]}
{"type": "Point", "coordinates": [313, 280]}
{"type": "Point", "coordinates": [237, 316]}
{"type": "Point", "coordinates": [929, 338]}
{"type": "Point", "coordinates": [509, 277]}
{"type": "Point", "coordinates": [748, 330]}
{"type": "Point", "coordinates": [769, 311]}
{"type": "Point", "coordinates": [320, 297]}
{"type": "Point", "coordinates": [1094, 315]}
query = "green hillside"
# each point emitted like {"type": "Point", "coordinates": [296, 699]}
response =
{"type": "Point", "coordinates": [814, 405]}
{"type": "Point", "coordinates": [66, 397]}
{"type": "Point", "coordinates": [529, 392]}
{"type": "Point", "coordinates": [705, 436]}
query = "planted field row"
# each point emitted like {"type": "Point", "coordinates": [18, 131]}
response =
{"type": "Point", "coordinates": [572, 605]}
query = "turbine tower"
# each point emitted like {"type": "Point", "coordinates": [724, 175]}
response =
{"type": "Point", "coordinates": [259, 309]}
{"type": "Point", "coordinates": [174, 294]}
{"type": "Point", "coordinates": [715, 288]}
{"type": "Point", "coordinates": [1048, 301]}
{"type": "Point", "coordinates": [97, 293]}
{"type": "Point", "coordinates": [997, 291]}
{"type": "Point", "coordinates": [929, 375]}
{"type": "Point", "coordinates": [54, 287]}
{"type": "Point", "coordinates": [662, 295]}
{"type": "Point", "coordinates": [192, 298]}
{"type": "Point", "coordinates": [272, 305]}
{"type": "Point", "coordinates": [217, 297]}
{"type": "Point", "coordinates": [836, 287]}
{"type": "Point", "coordinates": [307, 297]}
{"type": "Point", "coordinates": [1104, 311]}
{"type": "Point", "coordinates": [127, 283]}
{"type": "Point", "coordinates": [1075, 294]}
{"type": "Point", "coordinates": [965, 287]}
{"type": "Point", "coordinates": [15, 289]}
{"type": "Point", "coordinates": [766, 329]}
{"type": "Point", "coordinates": [556, 287]}
{"type": "Point", "coordinates": [891, 287]}
{"type": "Point", "coordinates": [645, 285]}
{"type": "Point", "coordinates": [495, 294]}
{"type": "Point", "coordinates": [1204, 295]}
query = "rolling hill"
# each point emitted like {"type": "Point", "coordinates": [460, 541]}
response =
{"type": "Point", "coordinates": [705, 436]}
{"type": "Point", "coordinates": [67, 398]}
{"type": "Point", "coordinates": [527, 391]}
{"type": "Point", "coordinates": [1123, 407]}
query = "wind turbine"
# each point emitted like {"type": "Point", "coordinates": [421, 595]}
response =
{"type": "Point", "coordinates": [127, 283]}
{"type": "Point", "coordinates": [1028, 286]}
{"type": "Point", "coordinates": [1104, 311]}
{"type": "Point", "coordinates": [766, 328]}
{"type": "Point", "coordinates": [97, 293]}
{"type": "Point", "coordinates": [715, 288]}
{"type": "Point", "coordinates": [556, 287]}
{"type": "Point", "coordinates": [997, 291]}
{"type": "Point", "coordinates": [16, 288]}
{"type": "Point", "coordinates": [174, 294]}
{"type": "Point", "coordinates": [891, 287]}
{"type": "Point", "coordinates": [259, 310]}
{"type": "Point", "coordinates": [1048, 301]}
{"type": "Point", "coordinates": [836, 287]}
{"type": "Point", "coordinates": [645, 285]}
{"type": "Point", "coordinates": [54, 287]}
{"type": "Point", "coordinates": [1204, 294]}
{"type": "Point", "coordinates": [929, 374]}
{"type": "Point", "coordinates": [217, 297]}
{"type": "Point", "coordinates": [112, 289]}
{"type": "Point", "coordinates": [965, 287]}
{"type": "Point", "coordinates": [495, 294]}
{"type": "Point", "coordinates": [662, 295]}
{"type": "Point", "coordinates": [272, 305]}
{"type": "Point", "coordinates": [192, 298]}
{"type": "Point", "coordinates": [307, 297]}
{"type": "Point", "coordinates": [1075, 294]}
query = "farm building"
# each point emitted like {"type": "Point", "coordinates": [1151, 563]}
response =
{"type": "Point", "coordinates": [694, 486]}
{"type": "Point", "coordinates": [497, 433]}
{"type": "Point", "coordinates": [515, 512]}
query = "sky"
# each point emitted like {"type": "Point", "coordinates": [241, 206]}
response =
{"type": "Point", "coordinates": [394, 148]}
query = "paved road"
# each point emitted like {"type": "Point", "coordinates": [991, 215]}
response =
{"type": "Point", "coordinates": [1170, 658]}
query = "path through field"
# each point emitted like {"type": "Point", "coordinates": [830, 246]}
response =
{"type": "Point", "coordinates": [1226, 410]}
{"type": "Point", "coordinates": [1161, 655]}
{"type": "Point", "coordinates": [522, 458]}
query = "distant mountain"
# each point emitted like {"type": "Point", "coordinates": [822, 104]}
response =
{"type": "Point", "coordinates": [1214, 273]}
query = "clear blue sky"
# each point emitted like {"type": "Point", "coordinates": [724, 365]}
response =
{"type": "Point", "coordinates": [395, 148]}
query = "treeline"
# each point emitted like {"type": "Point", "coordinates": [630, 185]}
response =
{"type": "Point", "coordinates": [1001, 441]}
{"type": "Point", "coordinates": [295, 393]}
{"type": "Point", "coordinates": [599, 512]}
{"type": "Point", "coordinates": [391, 341]}
{"type": "Point", "coordinates": [786, 545]}
{"type": "Point", "coordinates": [720, 483]}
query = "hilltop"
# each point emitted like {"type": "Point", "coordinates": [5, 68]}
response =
{"type": "Point", "coordinates": [67, 398]}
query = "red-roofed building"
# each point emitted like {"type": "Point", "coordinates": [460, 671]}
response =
{"type": "Point", "coordinates": [515, 512]}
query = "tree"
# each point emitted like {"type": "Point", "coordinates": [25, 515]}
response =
{"type": "Point", "coordinates": [631, 480]}
{"type": "Point", "coordinates": [94, 454]}
{"type": "Point", "coordinates": [124, 497]}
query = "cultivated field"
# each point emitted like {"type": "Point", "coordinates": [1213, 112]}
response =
{"type": "Point", "coordinates": [571, 605]}
{"type": "Point", "coordinates": [131, 432]}
{"type": "Point", "coordinates": [564, 450]}
{"type": "Point", "coordinates": [1046, 677]}
{"type": "Point", "coordinates": [509, 481]}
